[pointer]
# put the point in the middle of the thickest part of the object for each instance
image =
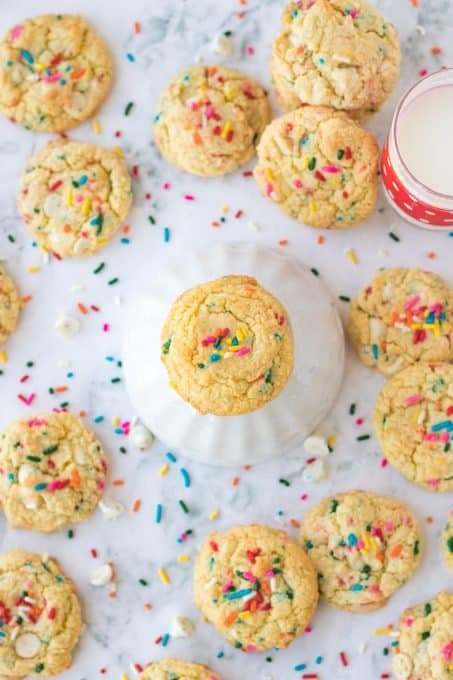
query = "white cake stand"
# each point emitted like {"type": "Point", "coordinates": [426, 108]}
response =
{"type": "Point", "coordinates": [284, 422]}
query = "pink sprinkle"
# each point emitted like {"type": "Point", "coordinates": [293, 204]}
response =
{"type": "Point", "coordinates": [333, 169]}
{"type": "Point", "coordinates": [37, 422]}
{"type": "Point", "coordinates": [414, 399]}
{"type": "Point", "coordinates": [447, 651]}
{"type": "Point", "coordinates": [298, 184]}
{"type": "Point", "coordinates": [436, 308]}
{"type": "Point", "coordinates": [229, 584]}
{"type": "Point", "coordinates": [304, 497]}
{"type": "Point", "coordinates": [359, 421]}
{"type": "Point", "coordinates": [16, 31]}
{"type": "Point", "coordinates": [431, 437]}
{"type": "Point", "coordinates": [166, 185]}
{"type": "Point", "coordinates": [105, 327]}
{"type": "Point", "coordinates": [389, 526]}
{"type": "Point", "coordinates": [250, 648]}
{"type": "Point", "coordinates": [423, 72]}
{"type": "Point", "coordinates": [445, 437]}
{"type": "Point", "coordinates": [270, 573]}
{"type": "Point", "coordinates": [412, 302]}
{"type": "Point", "coordinates": [408, 622]}
{"type": "Point", "coordinates": [308, 629]}
{"type": "Point", "coordinates": [57, 484]}
{"type": "Point", "coordinates": [78, 198]}
{"type": "Point", "coordinates": [384, 462]}
{"type": "Point", "coordinates": [249, 576]}
{"type": "Point", "coordinates": [208, 340]}
{"type": "Point", "coordinates": [27, 400]}
{"type": "Point", "coordinates": [250, 50]}
{"type": "Point", "coordinates": [52, 78]}
{"type": "Point", "coordinates": [433, 482]}
{"type": "Point", "coordinates": [243, 351]}
{"type": "Point", "coordinates": [189, 197]}
{"type": "Point", "coordinates": [269, 190]}
{"type": "Point", "coordinates": [354, 13]}
{"type": "Point", "coordinates": [360, 545]}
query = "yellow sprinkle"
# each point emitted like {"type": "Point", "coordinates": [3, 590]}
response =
{"type": "Point", "coordinates": [116, 421]}
{"type": "Point", "coordinates": [96, 126]}
{"type": "Point", "coordinates": [241, 334]}
{"type": "Point", "coordinates": [415, 414]}
{"type": "Point", "coordinates": [306, 163]}
{"type": "Point", "coordinates": [34, 269]}
{"type": "Point", "coordinates": [164, 469]}
{"type": "Point", "coordinates": [226, 129]}
{"type": "Point", "coordinates": [183, 558]}
{"type": "Point", "coordinates": [214, 514]}
{"type": "Point", "coordinates": [313, 206]}
{"type": "Point", "coordinates": [244, 615]}
{"type": "Point", "coordinates": [268, 174]}
{"type": "Point", "coordinates": [229, 92]}
{"type": "Point", "coordinates": [118, 151]}
{"type": "Point", "coordinates": [124, 676]}
{"type": "Point", "coordinates": [164, 576]}
{"type": "Point", "coordinates": [382, 631]}
{"type": "Point", "coordinates": [235, 348]}
{"type": "Point", "coordinates": [351, 255]}
{"type": "Point", "coordinates": [332, 440]}
{"type": "Point", "coordinates": [172, 385]}
{"type": "Point", "coordinates": [3, 357]}
{"type": "Point", "coordinates": [366, 542]}
{"type": "Point", "coordinates": [38, 66]}
{"type": "Point", "coordinates": [225, 209]}
{"type": "Point", "coordinates": [86, 206]}
{"type": "Point", "coordinates": [69, 197]}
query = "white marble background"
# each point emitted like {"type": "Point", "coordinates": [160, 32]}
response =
{"type": "Point", "coordinates": [120, 631]}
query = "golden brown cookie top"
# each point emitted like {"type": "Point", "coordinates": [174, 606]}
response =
{"type": "Point", "coordinates": [175, 669]}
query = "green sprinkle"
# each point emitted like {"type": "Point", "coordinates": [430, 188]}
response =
{"type": "Point", "coordinates": [151, 219]}
{"type": "Point", "coordinates": [344, 298]}
{"type": "Point", "coordinates": [34, 459]}
{"type": "Point", "coordinates": [115, 380]}
{"type": "Point", "coordinates": [312, 163]}
{"type": "Point", "coordinates": [308, 545]}
{"type": "Point", "coordinates": [363, 437]}
{"type": "Point", "coordinates": [314, 271]}
{"type": "Point", "coordinates": [201, 365]}
{"type": "Point", "coordinates": [128, 108]}
{"type": "Point", "coordinates": [394, 237]}
{"type": "Point", "coordinates": [50, 449]}
{"type": "Point", "coordinates": [99, 268]}
{"type": "Point", "coordinates": [340, 154]}
{"type": "Point", "coordinates": [428, 609]}
{"type": "Point", "coordinates": [333, 505]}
{"type": "Point", "coordinates": [143, 582]}
{"type": "Point", "coordinates": [39, 668]}
{"type": "Point", "coordinates": [426, 635]}
{"type": "Point", "coordinates": [71, 533]}
{"type": "Point", "coordinates": [11, 238]}
{"type": "Point", "coordinates": [113, 281]}
{"type": "Point", "coordinates": [450, 544]}
{"type": "Point", "coordinates": [184, 506]}
{"type": "Point", "coordinates": [284, 482]}
{"type": "Point", "coordinates": [352, 409]}
{"type": "Point", "coordinates": [416, 547]}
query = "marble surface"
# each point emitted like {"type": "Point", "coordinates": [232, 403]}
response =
{"type": "Point", "coordinates": [121, 631]}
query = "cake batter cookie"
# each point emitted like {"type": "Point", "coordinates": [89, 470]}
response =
{"type": "Point", "coordinates": [9, 305]}
{"type": "Point", "coordinates": [73, 197]}
{"type": "Point", "coordinates": [335, 53]}
{"type": "Point", "coordinates": [425, 650]}
{"type": "Point", "coordinates": [447, 541]}
{"type": "Point", "coordinates": [320, 167]}
{"type": "Point", "coordinates": [210, 119]}
{"type": "Point", "coordinates": [55, 71]}
{"type": "Point", "coordinates": [41, 616]}
{"type": "Point", "coordinates": [227, 346]}
{"type": "Point", "coordinates": [256, 585]}
{"type": "Point", "coordinates": [413, 419]}
{"type": "Point", "coordinates": [364, 547]}
{"type": "Point", "coordinates": [52, 472]}
{"type": "Point", "coordinates": [174, 669]}
{"type": "Point", "coordinates": [402, 317]}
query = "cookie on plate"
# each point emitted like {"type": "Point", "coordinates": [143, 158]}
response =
{"type": "Point", "coordinates": [40, 613]}
{"type": "Point", "coordinates": [425, 644]}
{"type": "Point", "coordinates": [413, 419]}
{"type": "Point", "coordinates": [320, 167]}
{"type": "Point", "coordinates": [52, 471]}
{"type": "Point", "coordinates": [227, 346]}
{"type": "Point", "coordinates": [335, 53]}
{"type": "Point", "coordinates": [55, 71]}
{"type": "Point", "coordinates": [447, 541]}
{"type": "Point", "coordinates": [256, 585]}
{"type": "Point", "coordinates": [169, 669]}
{"type": "Point", "coordinates": [9, 305]}
{"type": "Point", "coordinates": [364, 547]}
{"type": "Point", "coordinates": [210, 119]}
{"type": "Point", "coordinates": [73, 197]}
{"type": "Point", "coordinates": [401, 317]}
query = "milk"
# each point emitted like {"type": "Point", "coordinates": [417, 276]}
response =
{"type": "Point", "coordinates": [425, 138]}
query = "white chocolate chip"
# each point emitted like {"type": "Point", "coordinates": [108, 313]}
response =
{"type": "Point", "coordinates": [182, 627]}
{"type": "Point", "coordinates": [102, 575]}
{"type": "Point", "coordinates": [79, 455]}
{"type": "Point", "coordinates": [388, 292]}
{"type": "Point", "coordinates": [53, 206]}
{"type": "Point", "coordinates": [27, 645]}
{"type": "Point", "coordinates": [378, 329]}
{"type": "Point", "coordinates": [315, 472]}
{"type": "Point", "coordinates": [222, 45]}
{"type": "Point", "coordinates": [402, 666]}
{"type": "Point", "coordinates": [111, 509]}
{"type": "Point", "coordinates": [316, 446]}
{"type": "Point", "coordinates": [140, 436]}
{"type": "Point", "coordinates": [67, 326]}
{"type": "Point", "coordinates": [81, 246]}
{"type": "Point", "coordinates": [26, 471]}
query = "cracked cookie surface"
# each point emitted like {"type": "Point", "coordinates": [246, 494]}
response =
{"type": "Point", "coordinates": [41, 616]}
{"type": "Point", "coordinates": [74, 196]}
{"type": "Point", "coordinates": [447, 541]}
{"type": "Point", "coordinates": [402, 317]}
{"type": "Point", "coordinates": [320, 167]}
{"type": "Point", "coordinates": [175, 669]}
{"type": "Point", "coordinates": [256, 585]}
{"type": "Point", "coordinates": [55, 71]}
{"type": "Point", "coordinates": [210, 119]}
{"type": "Point", "coordinates": [335, 53]}
{"type": "Point", "coordinates": [425, 649]}
{"type": "Point", "coordinates": [364, 546]}
{"type": "Point", "coordinates": [227, 346]}
{"type": "Point", "coordinates": [413, 419]}
{"type": "Point", "coordinates": [9, 305]}
{"type": "Point", "coordinates": [52, 471]}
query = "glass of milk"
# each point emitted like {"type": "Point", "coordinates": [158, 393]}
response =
{"type": "Point", "coordinates": [417, 159]}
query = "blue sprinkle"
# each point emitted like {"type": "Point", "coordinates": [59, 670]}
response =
{"type": "Point", "coordinates": [171, 457]}
{"type": "Point", "coordinates": [126, 241]}
{"type": "Point", "coordinates": [444, 425]}
{"type": "Point", "coordinates": [322, 60]}
{"type": "Point", "coordinates": [165, 640]}
{"type": "Point", "coordinates": [2, 635]}
{"type": "Point", "coordinates": [375, 349]}
{"type": "Point", "coordinates": [9, 62]}
{"type": "Point", "coordinates": [186, 79]}
{"type": "Point", "coordinates": [63, 81]}
{"type": "Point", "coordinates": [318, 660]}
{"type": "Point", "coordinates": [118, 430]}
{"type": "Point", "coordinates": [83, 180]}
{"type": "Point", "coordinates": [1, 623]}
{"type": "Point", "coordinates": [300, 667]}
{"type": "Point", "coordinates": [70, 374]}
{"type": "Point", "coordinates": [130, 56]}
{"type": "Point", "coordinates": [40, 487]}
{"type": "Point", "coordinates": [60, 579]}
{"type": "Point", "coordinates": [394, 643]}
{"type": "Point", "coordinates": [96, 220]}
{"type": "Point", "coordinates": [356, 587]}
{"type": "Point", "coordinates": [11, 475]}
{"type": "Point", "coordinates": [27, 56]}
{"type": "Point", "coordinates": [215, 357]}
{"type": "Point", "coordinates": [185, 477]}
{"type": "Point", "coordinates": [238, 594]}
{"type": "Point", "coordinates": [352, 539]}
{"type": "Point", "coordinates": [110, 358]}
{"type": "Point", "coordinates": [220, 654]}
{"type": "Point", "coordinates": [450, 233]}
{"type": "Point", "coordinates": [98, 419]}
{"type": "Point", "coordinates": [158, 513]}
{"type": "Point", "coordinates": [304, 141]}
{"type": "Point", "coordinates": [166, 234]}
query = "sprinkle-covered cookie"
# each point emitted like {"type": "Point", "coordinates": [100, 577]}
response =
{"type": "Point", "coordinates": [364, 547]}
{"type": "Point", "coordinates": [52, 471]}
{"type": "Point", "coordinates": [209, 120]}
{"type": "Point", "coordinates": [227, 346]}
{"type": "Point", "coordinates": [73, 197]}
{"type": "Point", "coordinates": [425, 649]}
{"type": "Point", "coordinates": [256, 585]}
{"type": "Point", "coordinates": [338, 53]}
{"type": "Point", "coordinates": [447, 540]}
{"type": "Point", "coordinates": [40, 614]}
{"type": "Point", "coordinates": [174, 669]}
{"type": "Point", "coordinates": [9, 305]}
{"type": "Point", "coordinates": [320, 167]}
{"type": "Point", "coordinates": [413, 419]}
{"type": "Point", "coordinates": [401, 317]}
{"type": "Point", "coordinates": [55, 71]}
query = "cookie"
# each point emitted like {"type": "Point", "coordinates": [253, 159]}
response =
{"type": "Point", "coordinates": [73, 197]}
{"type": "Point", "coordinates": [40, 613]}
{"type": "Point", "coordinates": [52, 472]}
{"type": "Point", "coordinates": [227, 346]}
{"type": "Point", "coordinates": [9, 305]}
{"type": "Point", "coordinates": [256, 585]}
{"type": "Point", "coordinates": [335, 53]}
{"type": "Point", "coordinates": [447, 541]}
{"type": "Point", "coordinates": [210, 119]}
{"type": "Point", "coordinates": [364, 547]}
{"type": "Point", "coordinates": [320, 167]}
{"type": "Point", "coordinates": [425, 649]}
{"type": "Point", "coordinates": [402, 317]}
{"type": "Point", "coordinates": [413, 420]}
{"type": "Point", "coordinates": [55, 71]}
{"type": "Point", "coordinates": [174, 669]}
